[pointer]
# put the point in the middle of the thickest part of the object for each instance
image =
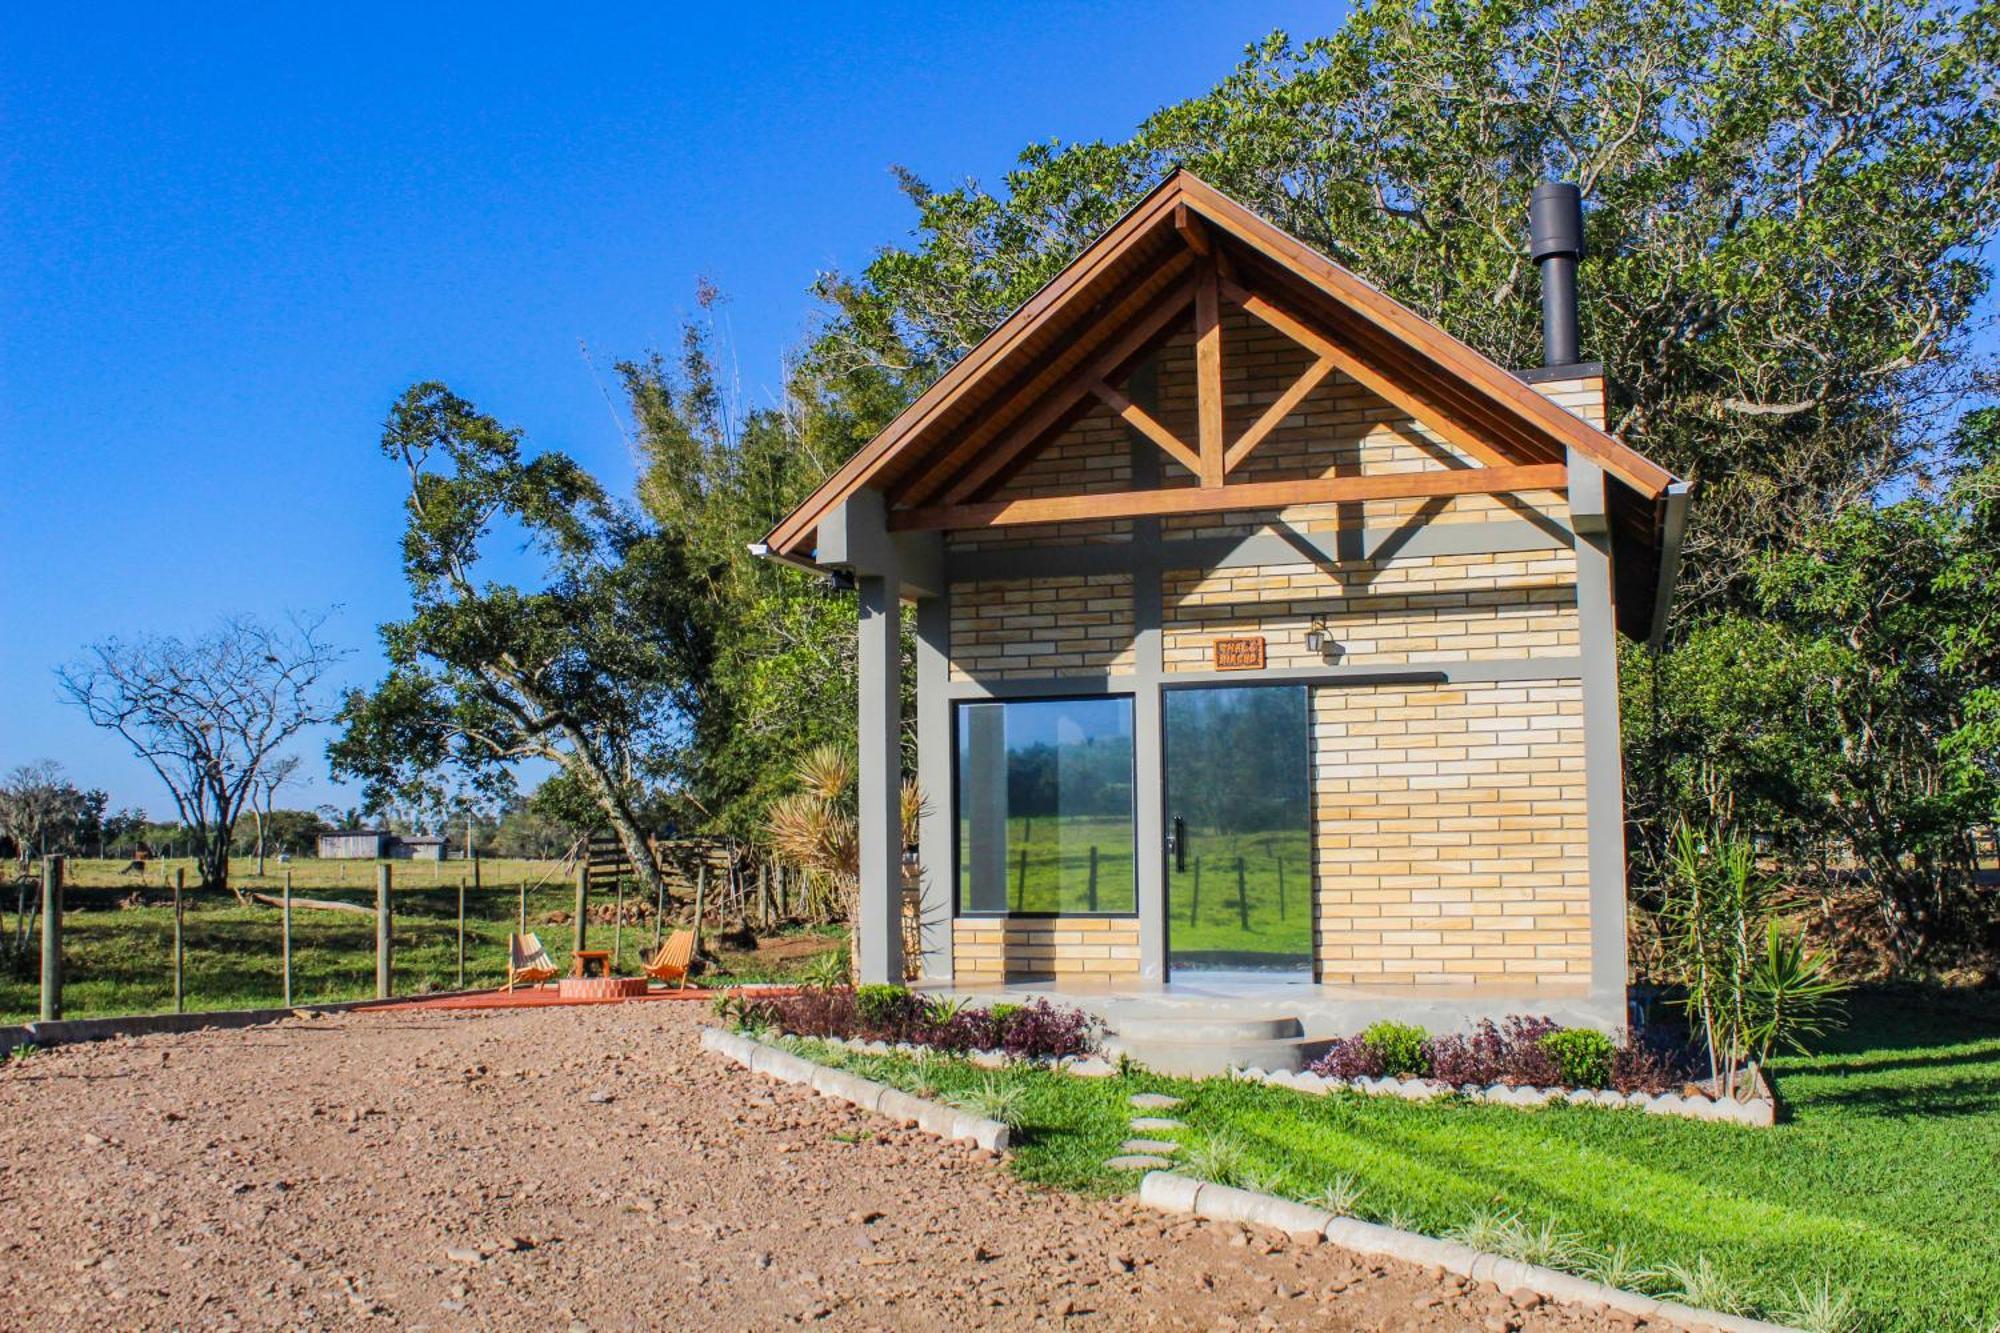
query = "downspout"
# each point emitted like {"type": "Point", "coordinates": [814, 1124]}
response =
{"type": "Point", "coordinates": [1673, 525]}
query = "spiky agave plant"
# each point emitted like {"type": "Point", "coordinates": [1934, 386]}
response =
{"type": "Point", "coordinates": [816, 829]}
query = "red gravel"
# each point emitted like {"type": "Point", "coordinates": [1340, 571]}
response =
{"type": "Point", "coordinates": [588, 1168]}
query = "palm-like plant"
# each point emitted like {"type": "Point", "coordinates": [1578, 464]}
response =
{"type": "Point", "coordinates": [1753, 986]}
{"type": "Point", "coordinates": [815, 828]}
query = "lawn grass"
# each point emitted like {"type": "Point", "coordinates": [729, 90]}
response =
{"type": "Point", "coordinates": [1880, 1177]}
{"type": "Point", "coordinates": [118, 941]}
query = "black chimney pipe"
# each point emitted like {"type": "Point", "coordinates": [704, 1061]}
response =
{"type": "Point", "coordinates": [1555, 241]}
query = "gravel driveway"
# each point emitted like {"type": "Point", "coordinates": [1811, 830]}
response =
{"type": "Point", "coordinates": [586, 1168]}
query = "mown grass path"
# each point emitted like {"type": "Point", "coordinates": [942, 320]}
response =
{"type": "Point", "coordinates": [1881, 1176]}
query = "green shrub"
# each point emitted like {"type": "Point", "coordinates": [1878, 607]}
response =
{"type": "Point", "coordinates": [1002, 1013]}
{"type": "Point", "coordinates": [1400, 1048]}
{"type": "Point", "coordinates": [880, 1005]}
{"type": "Point", "coordinates": [1582, 1056]}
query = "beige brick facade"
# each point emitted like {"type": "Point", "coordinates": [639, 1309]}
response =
{"type": "Point", "coordinates": [1059, 626]}
{"type": "Point", "coordinates": [1449, 828]}
{"type": "Point", "coordinates": [1452, 608]}
{"type": "Point", "coordinates": [1450, 834]}
{"type": "Point", "coordinates": [1094, 947]}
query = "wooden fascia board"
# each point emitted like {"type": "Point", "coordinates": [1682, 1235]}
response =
{"type": "Point", "coordinates": [1228, 498]}
{"type": "Point", "coordinates": [991, 350]}
{"type": "Point", "coordinates": [1411, 329]}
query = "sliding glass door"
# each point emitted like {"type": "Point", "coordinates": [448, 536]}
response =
{"type": "Point", "coordinates": [1239, 823]}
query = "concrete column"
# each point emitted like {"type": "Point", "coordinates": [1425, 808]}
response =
{"type": "Point", "coordinates": [935, 777]}
{"type": "Point", "coordinates": [1603, 753]}
{"type": "Point", "coordinates": [879, 813]}
{"type": "Point", "coordinates": [1148, 734]}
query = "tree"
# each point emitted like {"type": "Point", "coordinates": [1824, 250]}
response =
{"type": "Point", "coordinates": [42, 811]}
{"type": "Point", "coordinates": [1852, 710]}
{"type": "Point", "coordinates": [1787, 205]}
{"type": "Point", "coordinates": [592, 672]}
{"type": "Point", "coordinates": [273, 777]}
{"type": "Point", "coordinates": [207, 714]}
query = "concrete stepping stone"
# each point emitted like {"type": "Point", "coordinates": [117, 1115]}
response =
{"type": "Point", "coordinates": [1153, 1123]}
{"type": "Point", "coordinates": [1153, 1101]}
{"type": "Point", "coordinates": [1154, 1147]}
{"type": "Point", "coordinates": [1137, 1162]}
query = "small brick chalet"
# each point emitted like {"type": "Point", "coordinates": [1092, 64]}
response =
{"type": "Point", "coordinates": [1265, 636]}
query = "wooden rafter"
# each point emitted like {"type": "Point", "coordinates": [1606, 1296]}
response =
{"type": "Point", "coordinates": [1455, 431]}
{"type": "Point", "coordinates": [1208, 374]}
{"type": "Point", "coordinates": [1031, 384]}
{"type": "Point", "coordinates": [1062, 397]}
{"type": "Point", "coordinates": [1148, 425]}
{"type": "Point", "coordinates": [1286, 404]}
{"type": "Point", "coordinates": [1188, 223]}
{"type": "Point", "coordinates": [1244, 495]}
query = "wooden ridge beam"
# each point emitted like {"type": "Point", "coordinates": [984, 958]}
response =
{"type": "Point", "coordinates": [1224, 499]}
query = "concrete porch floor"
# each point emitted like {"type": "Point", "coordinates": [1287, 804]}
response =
{"type": "Point", "coordinates": [1206, 1023]}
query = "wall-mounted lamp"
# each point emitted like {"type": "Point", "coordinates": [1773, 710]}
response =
{"type": "Point", "coordinates": [839, 580]}
{"type": "Point", "coordinates": [1320, 640]}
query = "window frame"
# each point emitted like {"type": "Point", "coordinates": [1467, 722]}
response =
{"type": "Point", "coordinates": [958, 910]}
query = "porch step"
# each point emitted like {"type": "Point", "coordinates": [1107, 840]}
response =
{"type": "Point", "coordinates": [1197, 1043]}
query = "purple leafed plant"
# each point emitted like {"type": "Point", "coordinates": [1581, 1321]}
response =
{"type": "Point", "coordinates": [1513, 1052]}
{"type": "Point", "coordinates": [1038, 1030]}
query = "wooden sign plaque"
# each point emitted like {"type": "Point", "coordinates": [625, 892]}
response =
{"type": "Point", "coordinates": [1245, 654]}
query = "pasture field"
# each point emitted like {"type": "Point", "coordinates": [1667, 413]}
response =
{"type": "Point", "coordinates": [118, 936]}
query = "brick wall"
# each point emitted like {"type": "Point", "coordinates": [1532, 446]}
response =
{"type": "Point", "coordinates": [1073, 625]}
{"type": "Point", "coordinates": [1450, 835]}
{"type": "Point", "coordinates": [994, 948]}
{"type": "Point", "coordinates": [1452, 608]}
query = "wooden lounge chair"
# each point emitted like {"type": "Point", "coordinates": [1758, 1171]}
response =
{"type": "Point", "coordinates": [528, 963]}
{"type": "Point", "coordinates": [671, 963]}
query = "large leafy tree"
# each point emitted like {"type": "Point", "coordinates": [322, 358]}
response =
{"type": "Point", "coordinates": [594, 672]}
{"type": "Point", "coordinates": [782, 669]}
{"type": "Point", "coordinates": [1785, 208]}
{"type": "Point", "coordinates": [1854, 712]}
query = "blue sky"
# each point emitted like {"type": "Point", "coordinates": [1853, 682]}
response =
{"type": "Point", "coordinates": [229, 237]}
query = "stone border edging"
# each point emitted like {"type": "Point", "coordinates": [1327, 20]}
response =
{"type": "Point", "coordinates": [932, 1117]}
{"type": "Point", "coordinates": [1174, 1193]}
{"type": "Point", "coordinates": [1761, 1112]}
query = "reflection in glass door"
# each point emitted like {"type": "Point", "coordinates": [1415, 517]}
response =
{"type": "Point", "coordinates": [1239, 833]}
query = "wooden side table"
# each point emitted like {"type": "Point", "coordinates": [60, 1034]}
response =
{"type": "Point", "coordinates": [590, 963]}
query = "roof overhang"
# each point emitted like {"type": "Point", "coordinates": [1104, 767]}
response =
{"type": "Point", "coordinates": [948, 450]}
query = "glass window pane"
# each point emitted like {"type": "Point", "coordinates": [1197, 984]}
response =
{"type": "Point", "coordinates": [1045, 806]}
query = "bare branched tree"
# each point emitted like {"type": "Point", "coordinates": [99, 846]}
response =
{"type": "Point", "coordinates": [273, 777]}
{"type": "Point", "coordinates": [208, 714]}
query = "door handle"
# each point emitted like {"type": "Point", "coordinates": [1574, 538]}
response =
{"type": "Point", "coordinates": [1178, 844]}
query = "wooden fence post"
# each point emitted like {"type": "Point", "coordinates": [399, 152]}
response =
{"type": "Point", "coordinates": [1194, 895]}
{"type": "Point", "coordinates": [52, 978]}
{"type": "Point", "coordinates": [287, 929]}
{"type": "Point", "coordinates": [180, 950]}
{"type": "Point", "coordinates": [1021, 882]}
{"type": "Point", "coordinates": [764, 893]}
{"type": "Point", "coordinates": [618, 929]}
{"type": "Point", "coordinates": [582, 899]}
{"type": "Point", "coordinates": [384, 963]}
{"type": "Point", "coordinates": [700, 897]}
{"type": "Point", "coordinates": [461, 932]}
{"type": "Point", "coordinates": [659, 901]}
{"type": "Point", "coordinates": [1242, 895]}
{"type": "Point", "coordinates": [1093, 877]}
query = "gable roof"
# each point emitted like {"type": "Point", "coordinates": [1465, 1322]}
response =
{"type": "Point", "coordinates": [1114, 299]}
